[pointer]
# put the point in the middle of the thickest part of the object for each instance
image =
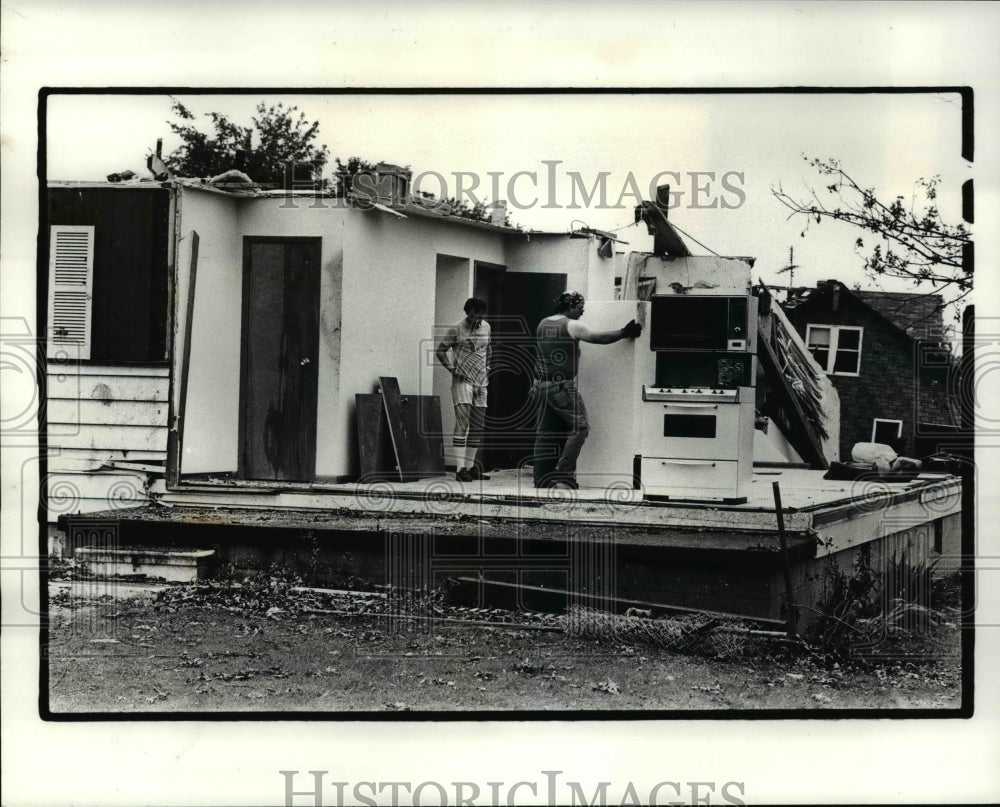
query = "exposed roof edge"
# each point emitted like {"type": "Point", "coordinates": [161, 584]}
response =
{"type": "Point", "coordinates": [741, 258]}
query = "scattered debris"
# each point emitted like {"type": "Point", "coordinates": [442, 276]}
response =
{"type": "Point", "coordinates": [608, 686]}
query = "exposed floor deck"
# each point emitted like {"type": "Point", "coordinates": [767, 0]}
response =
{"type": "Point", "coordinates": [839, 512]}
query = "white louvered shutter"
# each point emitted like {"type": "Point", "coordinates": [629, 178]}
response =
{"type": "Point", "coordinates": [71, 282]}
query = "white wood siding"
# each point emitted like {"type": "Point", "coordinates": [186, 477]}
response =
{"type": "Point", "coordinates": [98, 415]}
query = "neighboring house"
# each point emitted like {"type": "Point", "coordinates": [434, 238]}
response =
{"type": "Point", "coordinates": [887, 355]}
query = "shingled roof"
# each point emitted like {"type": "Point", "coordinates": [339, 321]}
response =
{"type": "Point", "coordinates": [919, 316]}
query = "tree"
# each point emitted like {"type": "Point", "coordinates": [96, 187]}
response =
{"type": "Point", "coordinates": [345, 173]}
{"type": "Point", "coordinates": [279, 149]}
{"type": "Point", "coordinates": [905, 238]}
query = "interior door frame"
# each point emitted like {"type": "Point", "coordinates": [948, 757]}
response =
{"type": "Point", "coordinates": [248, 242]}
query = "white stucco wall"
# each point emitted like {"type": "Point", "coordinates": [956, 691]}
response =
{"type": "Point", "coordinates": [697, 274]}
{"type": "Point", "coordinates": [324, 219]}
{"type": "Point", "coordinates": [211, 436]}
{"type": "Point", "coordinates": [601, 272]}
{"type": "Point", "coordinates": [387, 287]}
{"type": "Point", "coordinates": [389, 312]}
{"type": "Point", "coordinates": [560, 254]}
{"type": "Point", "coordinates": [211, 415]}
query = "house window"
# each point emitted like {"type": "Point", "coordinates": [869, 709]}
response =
{"type": "Point", "coordinates": [836, 348]}
{"type": "Point", "coordinates": [886, 431]}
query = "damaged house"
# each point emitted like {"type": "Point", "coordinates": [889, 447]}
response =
{"type": "Point", "coordinates": [209, 341]}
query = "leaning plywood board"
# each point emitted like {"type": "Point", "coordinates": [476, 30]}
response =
{"type": "Point", "coordinates": [430, 440]}
{"type": "Point", "coordinates": [414, 430]}
{"type": "Point", "coordinates": [377, 461]}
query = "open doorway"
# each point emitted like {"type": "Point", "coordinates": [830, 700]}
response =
{"type": "Point", "coordinates": [451, 290]}
{"type": "Point", "coordinates": [517, 302]}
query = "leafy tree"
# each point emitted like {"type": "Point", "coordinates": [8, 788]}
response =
{"type": "Point", "coordinates": [279, 149]}
{"type": "Point", "coordinates": [343, 177]}
{"type": "Point", "coordinates": [903, 238]}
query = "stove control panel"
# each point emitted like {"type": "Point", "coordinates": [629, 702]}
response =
{"type": "Point", "coordinates": [694, 394]}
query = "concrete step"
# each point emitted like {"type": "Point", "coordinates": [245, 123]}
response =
{"type": "Point", "coordinates": [172, 565]}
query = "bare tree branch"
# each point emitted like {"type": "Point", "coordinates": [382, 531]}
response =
{"type": "Point", "coordinates": [910, 241]}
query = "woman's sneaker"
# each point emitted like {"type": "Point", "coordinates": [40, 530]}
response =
{"type": "Point", "coordinates": [463, 475]}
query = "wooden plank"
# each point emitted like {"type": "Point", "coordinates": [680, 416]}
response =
{"type": "Point", "coordinates": [401, 418]}
{"type": "Point", "coordinates": [89, 459]}
{"type": "Point", "coordinates": [122, 370]}
{"type": "Point", "coordinates": [76, 461]}
{"type": "Point", "coordinates": [129, 278]}
{"type": "Point", "coordinates": [160, 239]}
{"type": "Point", "coordinates": [666, 241]}
{"type": "Point", "coordinates": [103, 315]}
{"type": "Point", "coordinates": [93, 493]}
{"type": "Point", "coordinates": [186, 355]}
{"type": "Point", "coordinates": [108, 413]}
{"type": "Point", "coordinates": [107, 388]}
{"type": "Point", "coordinates": [139, 438]}
{"type": "Point", "coordinates": [430, 443]}
{"type": "Point", "coordinates": [98, 484]}
{"type": "Point", "coordinates": [99, 505]}
{"type": "Point", "coordinates": [414, 423]}
{"type": "Point", "coordinates": [377, 460]}
{"type": "Point", "coordinates": [801, 435]}
{"type": "Point", "coordinates": [101, 455]}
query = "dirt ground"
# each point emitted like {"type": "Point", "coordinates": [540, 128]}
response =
{"type": "Point", "coordinates": [198, 649]}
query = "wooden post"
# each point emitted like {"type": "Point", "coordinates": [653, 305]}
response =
{"type": "Point", "coordinates": [785, 562]}
{"type": "Point", "coordinates": [186, 355]}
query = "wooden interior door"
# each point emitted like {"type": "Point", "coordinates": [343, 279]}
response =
{"type": "Point", "coordinates": [278, 385]}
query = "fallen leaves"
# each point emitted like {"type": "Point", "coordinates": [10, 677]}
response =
{"type": "Point", "coordinates": [440, 682]}
{"type": "Point", "coordinates": [608, 686]}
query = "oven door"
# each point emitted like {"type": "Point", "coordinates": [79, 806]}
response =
{"type": "Point", "coordinates": [691, 430]}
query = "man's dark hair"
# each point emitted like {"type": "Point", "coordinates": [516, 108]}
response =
{"type": "Point", "coordinates": [475, 304]}
{"type": "Point", "coordinates": [567, 300]}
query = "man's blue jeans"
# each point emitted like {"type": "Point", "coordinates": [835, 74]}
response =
{"type": "Point", "coordinates": [561, 429]}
